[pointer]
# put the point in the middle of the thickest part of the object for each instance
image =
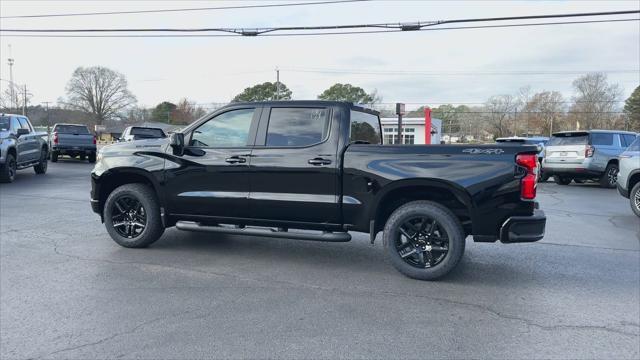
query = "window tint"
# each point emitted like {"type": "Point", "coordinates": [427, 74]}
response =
{"type": "Point", "coordinates": [627, 139]}
{"type": "Point", "coordinates": [24, 124]}
{"type": "Point", "coordinates": [15, 125]}
{"type": "Point", "coordinates": [297, 126]}
{"type": "Point", "coordinates": [365, 127]}
{"type": "Point", "coordinates": [564, 139]}
{"type": "Point", "coordinates": [147, 133]}
{"type": "Point", "coordinates": [72, 129]}
{"type": "Point", "coordinates": [230, 129]}
{"type": "Point", "coordinates": [635, 145]}
{"type": "Point", "coordinates": [5, 123]}
{"type": "Point", "coordinates": [602, 139]}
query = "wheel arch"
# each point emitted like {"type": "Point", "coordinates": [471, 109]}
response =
{"type": "Point", "coordinates": [634, 178]}
{"type": "Point", "coordinates": [113, 178]}
{"type": "Point", "coordinates": [443, 192]}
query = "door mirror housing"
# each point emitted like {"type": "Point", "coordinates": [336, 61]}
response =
{"type": "Point", "coordinates": [176, 140]}
{"type": "Point", "coordinates": [21, 132]}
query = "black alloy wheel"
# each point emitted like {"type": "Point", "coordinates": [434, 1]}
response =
{"type": "Point", "coordinates": [128, 216]}
{"type": "Point", "coordinates": [422, 242]}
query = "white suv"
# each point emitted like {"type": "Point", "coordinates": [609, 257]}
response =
{"type": "Point", "coordinates": [629, 175]}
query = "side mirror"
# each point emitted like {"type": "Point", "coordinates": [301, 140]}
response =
{"type": "Point", "coordinates": [176, 140]}
{"type": "Point", "coordinates": [21, 132]}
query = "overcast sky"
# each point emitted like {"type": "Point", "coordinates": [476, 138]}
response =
{"type": "Point", "coordinates": [216, 69]}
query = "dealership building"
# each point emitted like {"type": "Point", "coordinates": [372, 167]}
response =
{"type": "Point", "coordinates": [414, 130]}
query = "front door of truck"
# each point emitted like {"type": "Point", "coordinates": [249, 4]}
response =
{"type": "Point", "coordinates": [212, 178]}
{"type": "Point", "coordinates": [294, 166]}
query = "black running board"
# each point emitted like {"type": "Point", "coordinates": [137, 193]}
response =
{"type": "Point", "coordinates": [264, 232]}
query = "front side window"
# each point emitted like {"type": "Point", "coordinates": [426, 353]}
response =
{"type": "Point", "coordinates": [24, 124]}
{"type": "Point", "coordinates": [365, 127]}
{"type": "Point", "coordinates": [229, 129]}
{"type": "Point", "coordinates": [297, 126]}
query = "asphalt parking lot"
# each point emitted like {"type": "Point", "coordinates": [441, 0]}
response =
{"type": "Point", "coordinates": [68, 291]}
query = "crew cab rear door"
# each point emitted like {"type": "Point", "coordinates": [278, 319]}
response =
{"type": "Point", "coordinates": [294, 165]}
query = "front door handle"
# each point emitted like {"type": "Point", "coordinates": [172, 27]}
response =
{"type": "Point", "coordinates": [319, 161]}
{"type": "Point", "coordinates": [235, 160]}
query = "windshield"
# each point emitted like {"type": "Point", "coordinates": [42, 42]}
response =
{"type": "Point", "coordinates": [147, 133]}
{"type": "Point", "coordinates": [5, 123]}
{"type": "Point", "coordinates": [569, 139]}
{"type": "Point", "coordinates": [72, 129]}
{"type": "Point", "coordinates": [635, 146]}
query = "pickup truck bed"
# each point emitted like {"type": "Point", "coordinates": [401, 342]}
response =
{"type": "Point", "coordinates": [72, 140]}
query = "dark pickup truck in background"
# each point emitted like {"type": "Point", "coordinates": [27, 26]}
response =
{"type": "Point", "coordinates": [72, 140]}
{"type": "Point", "coordinates": [265, 168]}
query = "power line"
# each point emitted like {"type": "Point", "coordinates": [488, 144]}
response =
{"type": "Point", "coordinates": [311, 34]}
{"type": "Point", "coordinates": [441, 73]}
{"type": "Point", "coordinates": [389, 27]}
{"type": "Point", "coordinates": [181, 9]}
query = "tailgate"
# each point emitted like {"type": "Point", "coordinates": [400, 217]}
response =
{"type": "Point", "coordinates": [569, 154]}
{"type": "Point", "coordinates": [75, 140]}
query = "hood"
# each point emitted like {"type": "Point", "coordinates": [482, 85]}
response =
{"type": "Point", "coordinates": [148, 145]}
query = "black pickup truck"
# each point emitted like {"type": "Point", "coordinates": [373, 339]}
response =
{"type": "Point", "coordinates": [265, 168]}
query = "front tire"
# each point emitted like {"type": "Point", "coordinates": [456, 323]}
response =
{"type": "Point", "coordinates": [610, 176]}
{"type": "Point", "coordinates": [132, 216]}
{"type": "Point", "coordinates": [41, 167]}
{"type": "Point", "coordinates": [8, 170]}
{"type": "Point", "coordinates": [562, 180]}
{"type": "Point", "coordinates": [424, 240]}
{"type": "Point", "coordinates": [634, 198]}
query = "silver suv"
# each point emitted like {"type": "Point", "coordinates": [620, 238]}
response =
{"type": "Point", "coordinates": [585, 155]}
{"type": "Point", "coordinates": [629, 175]}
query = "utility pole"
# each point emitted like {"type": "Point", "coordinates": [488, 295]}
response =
{"type": "Point", "coordinates": [24, 103]}
{"type": "Point", "coordinates": [12, 92]}
{"type": "Point", "coordinates": [277, 83]}
{"type": "Point", "coordinates": [515, 121]}
{"type": "Point", "coordinates": [48, 122]}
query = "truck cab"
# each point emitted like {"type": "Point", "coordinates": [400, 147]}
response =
{"type": "Point", "coordinates": [20, 147]}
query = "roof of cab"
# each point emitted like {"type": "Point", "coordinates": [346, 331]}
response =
{"type": "Point", "coordinates": [309, 103]}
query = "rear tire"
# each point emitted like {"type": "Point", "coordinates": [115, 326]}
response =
{"type": "Point", "coordinates": [608, 179]}
{"type": "Point", "coordinates": [41, 167]}
{"type": "Point", "coordinates": [132, 216]}
{"type": "Point", "coordinates": [92, 157]}
{"type": "Point", "coordinates": [8, 170]}
{"type": "Point", "coordinates": [562, 180]}
{"type": "Point", "coordinates": [54, 156]}
{"type": "Point", "coordinates": [634, 198]}
{"type": "Point", "coordinates": [424, 254]}
{"type": "Point", "coordinates": [83, 157]}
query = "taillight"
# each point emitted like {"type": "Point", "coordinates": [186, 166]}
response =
{"type": "Point", "coordinates": [529, 181]}
{"type": "Point", "coordinates": [55, 138]}
{"type": "Point", "coordinates": [588, 151]}
{"type": "Point", "coordinates": [94, 139]}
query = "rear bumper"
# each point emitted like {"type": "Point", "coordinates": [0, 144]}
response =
{"type": "Point", "coordinates": [82, 148]}
{"type": "Point", "coordinates": [519, 229]}
{"type": "Point", "coordinates": [624, 192]}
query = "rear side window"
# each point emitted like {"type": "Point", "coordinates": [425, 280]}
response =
{"type": "Point", "coordinates": [297, 126]}
{"type": "Point", "coordinates": [147, 133]}
{"type": "Point", "coordinates": [604, 139]}
{"type": "Point", "coordinates": [365, 127]}
{"type": "Point", "coordinates": [563, 139]}
{"type": "Point", "coordinates": [72, 129]}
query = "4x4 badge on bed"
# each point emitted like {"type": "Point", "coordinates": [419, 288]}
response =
{"type": "Point", "coordinates": [483, 151]}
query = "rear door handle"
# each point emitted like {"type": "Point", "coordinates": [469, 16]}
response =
{"type": "Point", "coordinates": [235, 160]}
{"type": "Point", "coordinates": [319, 161]}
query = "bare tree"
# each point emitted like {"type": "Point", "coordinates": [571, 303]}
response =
{"type": "Point", "coordinates": [186, 112]}
{"type": "Point", "coordinates": [499, 109]}
{"type": "Point", "coordinates": [545, 110]}
{"type": "Point", "coordinates": [99, 91]}
{"type": "Point", "coordinates": [595, 101]}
